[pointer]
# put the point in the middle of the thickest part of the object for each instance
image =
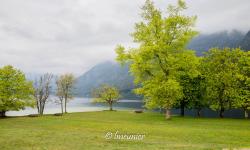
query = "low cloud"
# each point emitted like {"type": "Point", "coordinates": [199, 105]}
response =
{"type": "Point", "coordinates": [72, 36]}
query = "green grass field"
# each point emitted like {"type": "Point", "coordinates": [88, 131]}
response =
{"type": "Point", "coordinates": [87, 131]}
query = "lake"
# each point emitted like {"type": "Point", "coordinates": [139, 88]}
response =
{"type": "Point", "coordinates": [79, 105]}
{"type": "Point", "coordinates": [84, 104]}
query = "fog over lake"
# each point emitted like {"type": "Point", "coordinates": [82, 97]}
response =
{"type": "Point", "coordinates": [78, 105]}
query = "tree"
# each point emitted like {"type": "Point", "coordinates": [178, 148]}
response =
{"type": "Point", "coordinates": [59, 94]}
{"type": "Point", "coordinates": [187, 72]}
{"type": "Point", "coordinates": [197, 99]}
{"type": "Point", "coordinates": [161, 52]}
{"type": "Point", "coordinates": [161, 94]}
{"type": "Point", "coordinates": [220, 68]}
{"type": "Point", "coordinates": [42, 91]}
{"type": "Point", "coordinates": [243, 82]}
{"type": "Point", "coordinates": [65, 85]}
{"type": "Point", "coordinates": [107, 94]}
{"type": "Point", "coordinates": [16, 91]}
{"type": "Point", "coordinates": [192, 82]}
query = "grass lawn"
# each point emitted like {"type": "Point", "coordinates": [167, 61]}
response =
{"type": "Point", "coordinates": [87, 131]}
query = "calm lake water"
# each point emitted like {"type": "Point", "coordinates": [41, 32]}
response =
{"type": "Point", "coordinates": [85, 104]}
{"type": "Point", "coordinates": [79, 105]}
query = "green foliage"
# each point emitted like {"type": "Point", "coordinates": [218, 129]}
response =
{"type": "Point", "coordinates": [15, 91]}
{"type": "Point", "coordinates": [65, 85]}
{"type": "Point", "coordinates": [170, 75]}
{"type": "Point", "coordinates": [197, 93]}
{"type": "Point", "coordinates": [107, 94]}
{"type": "Point", "coordinates": [161, 58]}
{"type": "Point", "coordinates": [221, 70]}
{"type": "Point", "coordinates": [187, 70]}
{"type": "Point", "coordinates": [243, 79]}
{"type": "Point", "coordinates": [160, 93]}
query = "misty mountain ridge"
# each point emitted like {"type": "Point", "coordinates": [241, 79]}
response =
{"type": "Point", "coordinates": [106, 73]}
{"type": "Point", "coordinates": [245, 43]}
{"type": "Point", "coordinates": [116, 75]}
{"type": "Point", "coordinates": [204, 42]}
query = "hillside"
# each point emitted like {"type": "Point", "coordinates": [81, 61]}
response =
{"type": "Point", "coordinates": [109, 73]}
{"type": "Point", "coordinates": [245, 43]}
{"type": "Point", "coordinates": [113, 74]}
{"type": "Point", "coordinates": [204, 42]}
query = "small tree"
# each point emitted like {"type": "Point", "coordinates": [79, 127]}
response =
{"type": "Point", "coordinates": [15, 91]}
{"type": "Point", "coordinates": [59, 94]}
{"type": "Point", "coordinates": [42, 91]}
{"type": "Point", "coordinates": [161, 94]}
{"type": "Point", "coordinates": [107, 94]}
{"type": "Point", "coordinates": [65, 84]}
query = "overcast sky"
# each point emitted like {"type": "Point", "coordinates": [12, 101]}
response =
{"type": "Point", "coordinates": [60, 36]}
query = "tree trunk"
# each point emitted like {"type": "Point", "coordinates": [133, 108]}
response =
{"type": "Point", "coordinates": [161, 110]}
{"type": "Point", "coordinates": [2, 113]}
{"type": "Point", "coordinates": [37, 105]}
{"type": "Point", "coordinates": [42, 108]}
{"type": "Point", "coordinates": [199, 112]}
{"type": "Point", "coordinates": [246, 114]}
{"type": "Point", "coordinates": [110, 106]}
{"type": "Point", "coordinates": [182, 109]}
{"type": "Point", "coordinates": [65, 104]}
{"type": "Point", "coordinates": [168, 114]}
{"type": "Point", "coordinates": [222, 112]}
{"type": "Point", "coordinates": [221, 102]}
{"type": "Point", "coordinates": [62, 106]}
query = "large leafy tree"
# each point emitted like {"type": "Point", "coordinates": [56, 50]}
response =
{"type": "Point", "coordinates": [160, 57]}
{"type": "Point", "coordinates": [15, 91]}
{"type": "Point", "coordinates": [220, 67]}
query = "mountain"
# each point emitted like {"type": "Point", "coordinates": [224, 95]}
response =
{"type": "Point", "coordinates": [245, 43]}
{"type": "Point", "coordinates": [106, 73]}
{"type": "Point", "coordinates": [113, 74]}
{"type": "Point", "coordinates": [204, 42]}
